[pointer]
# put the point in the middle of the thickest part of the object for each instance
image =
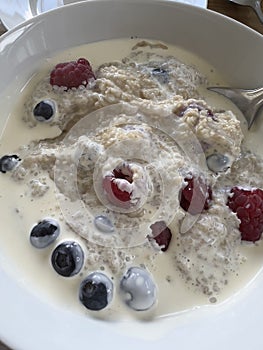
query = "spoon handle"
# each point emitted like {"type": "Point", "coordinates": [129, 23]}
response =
{"type": "Point", "coordinates": [258, 10]}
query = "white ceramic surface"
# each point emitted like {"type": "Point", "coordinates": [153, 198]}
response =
{"type": "Point", "coordinates": [14, 12]}
{"type": "Point", "coordinates": [30, 323]}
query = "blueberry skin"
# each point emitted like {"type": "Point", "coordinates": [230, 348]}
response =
{"type": "Point", "coordinates": [9, 162]}
{"type": "Point", "coordinates": [44, 233]}
{"type": "Point", "coordinates": [44, 111]}
{"type": "Point", "coordinates": [103, 224]}
{"type": "Point", "coordinates": [67, 259]}
{"type": "Point", "coordinates": [218, 162]}
{"type": "Point", "coordinates": [96, 291]}
{"type": "Point", "coordinates": [138, 290]}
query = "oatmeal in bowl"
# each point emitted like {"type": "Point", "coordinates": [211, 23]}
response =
{"type": "Point", "coordinates": [146, 191]}
{"type": "Point", "coordinates": [130, 191]}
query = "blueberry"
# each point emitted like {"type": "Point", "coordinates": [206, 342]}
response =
{"type": "Point", "coordinates": [8, 163]}
{"type": "Point", "coordinates": [161, 74]}
{"type": "Point", "coordinates": [67, 259]}
{"type": "Point", "coordinates": [103, 224]}
{"type": "Point", "coordinates": [96, 291]}
{"type": "Point", "coordinates": [217, 162]}
{"type": "Point", "coordinates": [138, 289]}
{"type": "Point", "coordinates": [44, 233]}
{"type": "Point", "coordinates": [44, 110]}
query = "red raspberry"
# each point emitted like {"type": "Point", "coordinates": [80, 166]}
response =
{"type": "Point", "coordinates": [110, 184]}
{"type": "Point", "coordinates": [195, 196]}
{"type": "Point", "coordinates": [248, 205]}
{"type": "Point", "coordinates": [161, 234]}
{"type": "Point", "coordinates": [72, 74]}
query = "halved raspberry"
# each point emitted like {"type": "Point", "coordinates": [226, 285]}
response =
{"type": "Point", "coordinates": [161, 234]}
{"type": "Point", "coordinates": [122, 196]}
{"type": "Point", "coordinates": [195, 196]}
{"type": "Point", "coordinates": [72, 74]}
{"type": "Point", "coordinates": [115, 184]}
{"type": "Point", "coordinates": [248, 205]}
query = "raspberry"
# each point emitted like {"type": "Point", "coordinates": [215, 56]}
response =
{"type": "Point", "coordinates": [248, 205]}
{"type": "Point", "coordinates": [195, 196]}
{"type": "Point", "coordinates": [161, 234]}
{"type": "Point", "coordinates": [122, 196]}
{"type": "Point", "coordinates": [115, 183]}
{"type": "Point", "coordinates": [114, 192]}
{"type": "Point", "coordinates": [72, 74]}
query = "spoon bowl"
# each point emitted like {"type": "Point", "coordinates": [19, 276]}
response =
{"type": "Point", "coordinates": [248, 101]}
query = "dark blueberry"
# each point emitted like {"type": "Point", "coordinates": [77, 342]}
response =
{"type": "Point", "coordinates": [44, 110]}
{"type": "Point", "coordinates": [96, 291]}
{"type": "Point", "coordinates": [67, 258]}
{"type": "Point", "coordinates": [8, 163]}
{"type": "Point", "coordinates": [161, 74]}
{"type": "Point", "coordinates": [44, 233]}
{"type": "Point", "coordinates": [138, 289]}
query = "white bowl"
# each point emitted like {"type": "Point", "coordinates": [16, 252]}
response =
{"type": "Point", "coordinates": [14, 12]}
{"type": "Point", "coordinates": [27, 322]}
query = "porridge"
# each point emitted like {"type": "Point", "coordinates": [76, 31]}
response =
{"type": "Point", "coordinates": [127, 192]}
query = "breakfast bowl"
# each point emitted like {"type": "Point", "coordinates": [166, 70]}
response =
{"type": "Point", "coordinates": [100, 243]}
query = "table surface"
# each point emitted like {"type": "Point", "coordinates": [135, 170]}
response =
{"type": "Point", "coordinates": [242, 14]}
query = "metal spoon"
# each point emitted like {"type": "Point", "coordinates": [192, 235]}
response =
{"type": "Point", "coordinates": [255, 4]}
{"type": "Point", "coordinates": [248, 101]}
